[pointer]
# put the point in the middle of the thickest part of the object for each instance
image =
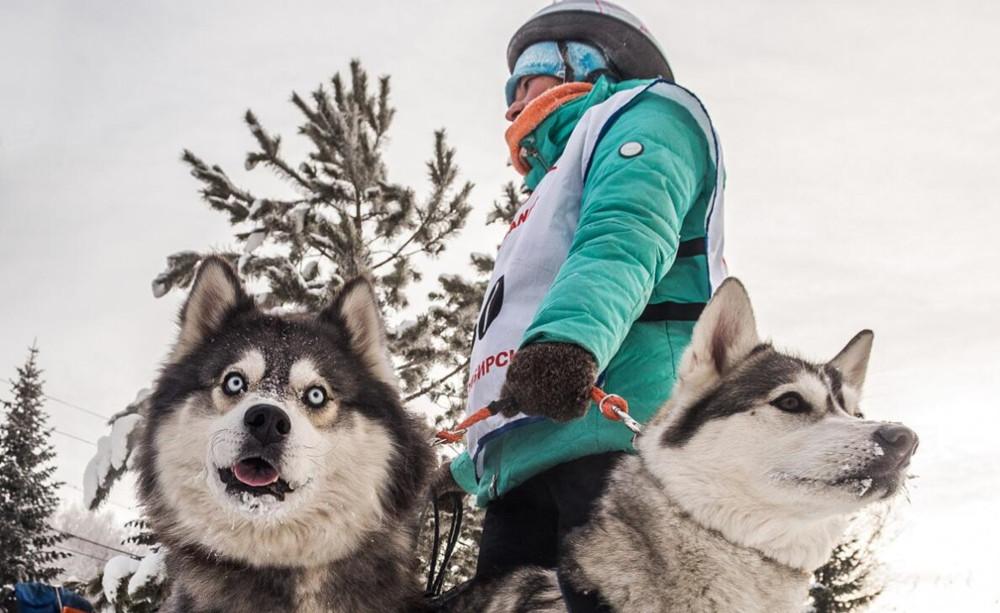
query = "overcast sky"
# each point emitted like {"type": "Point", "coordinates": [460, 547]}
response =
{"type": "Point", "coordinates": [861, 141]}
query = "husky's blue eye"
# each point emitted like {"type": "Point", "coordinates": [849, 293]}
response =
{"type": "Point", "coordinates": [233, 384]}
{"type": "Point", "coordinates": [315, 397]}
{"type": "Point", "coordinates": [791, 402]}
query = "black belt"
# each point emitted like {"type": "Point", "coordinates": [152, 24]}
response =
{"type": "Point", "coordinates": [695, 246]}
{"type": "Point", "coordinates": [672, 311]}
{"type": "Point", "coordinates": [678, 311]}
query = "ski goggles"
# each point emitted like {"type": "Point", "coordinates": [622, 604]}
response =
{"type": "Point", "coordinates": [569, 61]}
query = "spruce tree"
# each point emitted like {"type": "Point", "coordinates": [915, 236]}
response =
{"type": "Point", "coordinates": [851, 579]}
{"type": "Point", "coordinates": [27, 492]}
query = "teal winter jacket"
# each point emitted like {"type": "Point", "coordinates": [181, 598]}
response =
{"type": "Point", "coordinates": [636, 214]}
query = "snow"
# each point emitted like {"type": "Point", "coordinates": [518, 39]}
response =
{"type": "Point", "coordinates": [90, 483]}
{"type": "Point", "coordinates": [403, 327]}
{"type": "Point", "coordinates": [96, 470]}
{"type": "Point", "coordinates": [346, 186]}
{"type": "Point", "coordinates": [258, 506]}
{"type": "Point", "coordinates": [142, 396]}
{"type": "Point", "coordinates": [115, 571]}
{"type": "Point", "coordinates": [120, 432]}
{"type": "Point", "coordinates": [287, 308]}
{"type": "Point", "coordinates": [298, 215]}
{"type": "Point", "coordinates": [254, 206]}
{"type": "Point", "coordinates": [254, 241]}
{"type": "Point", "coordinates": [151, 570]}
{"type": "Point", "coordinates": [160, 289]}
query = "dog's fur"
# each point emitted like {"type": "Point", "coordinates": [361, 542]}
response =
{"type": "Point", "coordinates": [742, 485]}
{"type": "Point", "coordinates": [335, 532]}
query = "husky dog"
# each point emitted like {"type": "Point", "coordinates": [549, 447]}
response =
{"type": "Point", "coordinates": [742, 485]}
{"type": "Point", "coordinates": [277, 464]}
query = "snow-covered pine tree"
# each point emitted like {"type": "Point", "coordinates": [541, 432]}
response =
{"type": "Point", "coordinates": [852, 578]}
{"type": "Point", "coordinates": [28, 496]}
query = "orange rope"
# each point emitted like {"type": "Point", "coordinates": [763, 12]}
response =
{"type": "Point", "coordinates": [608, 404]}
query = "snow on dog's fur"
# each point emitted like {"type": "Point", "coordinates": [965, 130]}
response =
{"type": "Point", "coordinates": [743, 482]}
{"type": "Point", "coordinates": [277, 463]}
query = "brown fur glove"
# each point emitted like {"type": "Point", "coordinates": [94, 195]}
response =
{"type": "Point", "coordinates": [550, 379]}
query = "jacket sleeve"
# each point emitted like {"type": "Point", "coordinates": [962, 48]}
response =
{"type": "Point", "coordinates": [629, 227]}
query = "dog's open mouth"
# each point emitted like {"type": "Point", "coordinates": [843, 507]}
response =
{"type": "Point", "coordinates": [255, 476]}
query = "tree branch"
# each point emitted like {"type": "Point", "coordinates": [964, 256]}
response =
{"type": "Point", "coordinates": [464, 365]}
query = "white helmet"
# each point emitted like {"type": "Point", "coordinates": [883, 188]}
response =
{"type": "Point", "coordinates": [624, 40]}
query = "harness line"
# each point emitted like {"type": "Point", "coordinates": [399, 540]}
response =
{"type": "Point", "coordinates": [612, 407]}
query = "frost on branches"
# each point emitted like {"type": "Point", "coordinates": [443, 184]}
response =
{"type": "Point", "coordinates": [113, 452]}
{"type": "Point", "coordinates": [130, 584]}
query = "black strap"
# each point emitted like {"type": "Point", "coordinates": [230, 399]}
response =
{"type": "Point", "coordinates": [672, 311]}
{"type": "Point", "coordinates": [436, 574]}
{"type": "Point", "coordinates": [695, 246]}
{"type": "Point", "coordinates": [679, 311]}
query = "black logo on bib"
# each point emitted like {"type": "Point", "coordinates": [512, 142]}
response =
{"type": "Point", "coordinates": [491, 309]}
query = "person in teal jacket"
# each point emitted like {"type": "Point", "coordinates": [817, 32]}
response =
{"type": "Point", "coordinates": [602, 274]}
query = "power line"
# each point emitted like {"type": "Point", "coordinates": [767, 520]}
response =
{"type": "Point", "coordinates": [86, 540]}
{"type": "Point", "coordinates": [73, 436]}
{"type": "Point", "coordinates": [80, 553]}
{"type": "Point", "coordinates": [70, 405]}
{"type": "Point", "coordinates": [77, 407]}
{"type": "Point", "coordinates": [119, 505]}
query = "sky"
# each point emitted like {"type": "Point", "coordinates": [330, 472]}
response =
{"type": "Point", "coordinates": [861, 143]}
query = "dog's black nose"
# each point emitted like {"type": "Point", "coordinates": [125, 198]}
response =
{"type": "Point", "coordinates": [267, 423]}
{"type": "Point", "coordinates": [897, 438]}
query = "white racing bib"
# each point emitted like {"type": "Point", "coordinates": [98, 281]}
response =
{"type": "Point", "coordinates": [537, 244]}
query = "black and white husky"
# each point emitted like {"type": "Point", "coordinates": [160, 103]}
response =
{"type": "Point", "coordinates": [742, 485]}
{"type": "Point", "coordinates": [277, 464]}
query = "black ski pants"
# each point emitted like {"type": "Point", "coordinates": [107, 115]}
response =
{"type": "Point", "coordinates": [527, 525]}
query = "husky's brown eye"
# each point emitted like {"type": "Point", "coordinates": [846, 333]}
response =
{"type": "Point", "coordinates": [234, 384]}
{"type": "Point", "coordinates": [315, 397]}
{"type": "Point", "coordinates": [791, 402]}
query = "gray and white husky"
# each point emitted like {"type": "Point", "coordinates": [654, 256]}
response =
{"type": "Point", "coordinates": [742, 485]}
{"type": "Point", "coordinates": [277, 464]}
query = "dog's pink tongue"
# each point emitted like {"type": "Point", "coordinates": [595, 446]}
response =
{"type": "Point", "coordinates": [255, 473]}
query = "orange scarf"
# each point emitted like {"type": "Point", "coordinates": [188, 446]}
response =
{"type": "Point", "coordinates": [535, 113]}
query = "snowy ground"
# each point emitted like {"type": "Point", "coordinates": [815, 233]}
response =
{"type": "Point", "coordinates": [947, 546]}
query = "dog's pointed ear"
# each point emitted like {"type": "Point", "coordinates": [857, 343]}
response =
{"type": "Point", "coordinates": [852, 361]}
{"type": "Point", "coordinates": [215, 295]}
{"type": "Point", "coordinates": [726, 332]}
{"type": "Point", "coordinates": [355, 309]}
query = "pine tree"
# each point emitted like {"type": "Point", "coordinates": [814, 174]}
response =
{"type": "Point", "coordinates": [851, 579]}
{"type": "Point", "coordinates": [338, 216]}
{"type": "Point", "coordinates": [27, 492]}
{"type": "Point", "coordinates": [343, 217]}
